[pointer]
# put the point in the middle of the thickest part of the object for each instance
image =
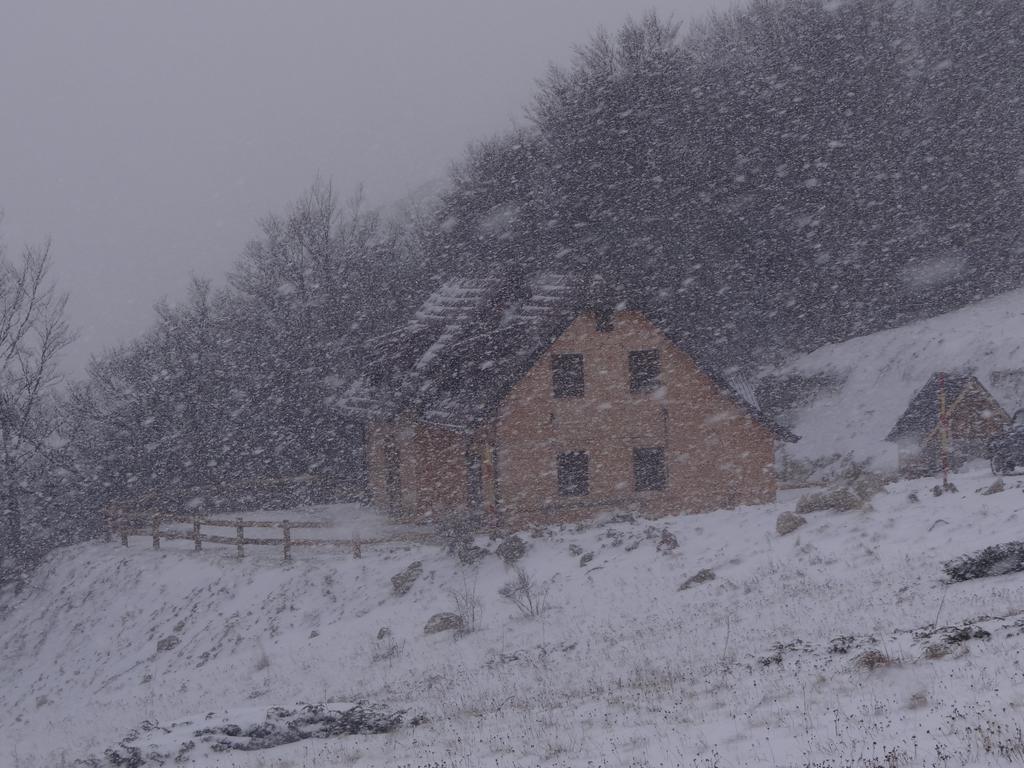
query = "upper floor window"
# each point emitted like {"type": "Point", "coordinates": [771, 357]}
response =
{"type": "Point", "coordinates": [567, 375]}
{"type": "Point", "coordinates": [574, 473]}
{"type": "Point", "coordinates": [649, 469]}
{"type": "Point", "coordinates": [644, 370]}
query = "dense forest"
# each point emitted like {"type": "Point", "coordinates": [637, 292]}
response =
{"type": "Point", "coordinates": [789, 174]}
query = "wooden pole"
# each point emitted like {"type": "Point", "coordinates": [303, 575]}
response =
{"type": "Point", "coordinates": [286, 532]}
{"type": "Point", "coordinates": [156, 531]}
{"type": "Point", "coordinates": [943, 431]}
{"type": "Point", "coordinates": [122, 525]}
{"type": "Point", "coordinates": [196, 535]}
{"type": "Point", "coordinates": [490, 487]}
{"type": "Point", "coordinates": [240, 536]}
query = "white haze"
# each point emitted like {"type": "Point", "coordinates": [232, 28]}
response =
{"type": "Point", "coordinates": [148, 138]}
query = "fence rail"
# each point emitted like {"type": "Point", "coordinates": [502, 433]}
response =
{"type": "Point", "coordinates": [127, 524]}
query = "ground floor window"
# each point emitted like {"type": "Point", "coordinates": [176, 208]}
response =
{"type": "Point", "coordinates": [392, 473]}
{"type": "Point", "coordinates": [574, 473]}
{"type": "Point", "coordinates": [649, 469]}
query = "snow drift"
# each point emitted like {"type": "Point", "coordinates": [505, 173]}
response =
{"type": "Point", "coordinates": [867, 382]}
{"type": "Point", "coordinates": [835, 645]}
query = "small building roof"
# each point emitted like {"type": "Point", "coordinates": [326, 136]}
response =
{"type": "Point", "coordinates": [474, 338]}
{"type": "Point", "coordinates": [922, 415]}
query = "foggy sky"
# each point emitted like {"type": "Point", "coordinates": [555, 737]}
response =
{"type": "Point", "coordinates": [146, 138]}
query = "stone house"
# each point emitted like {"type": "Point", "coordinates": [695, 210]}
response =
{"type": "Point", "coordinates": [972, 417]}
{"type": "Point", "coordinates": [536, 403]}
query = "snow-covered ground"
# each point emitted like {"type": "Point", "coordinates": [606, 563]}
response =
{"type": "Point", "coordinates": [763, 665]}
{"type": "Point", "coordinates": [880, 374]}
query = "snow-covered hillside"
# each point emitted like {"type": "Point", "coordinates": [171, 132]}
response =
{"type": "Point", "coordinates": [762, 665]}
{"type": "Point", "coordinates": [877, 376]}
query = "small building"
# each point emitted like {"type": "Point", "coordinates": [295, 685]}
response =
{"type": "Point", "coordinates": [972, 417]}
{"type": "Point", "coordinates": [534, 403]}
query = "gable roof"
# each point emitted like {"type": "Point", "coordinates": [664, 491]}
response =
{"type": "Point", "coordinates": [922, 415]}
{"type": "Point", "coordinates": [474, 338]}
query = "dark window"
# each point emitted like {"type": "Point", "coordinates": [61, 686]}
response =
{"type": "Point", "coordinates": [392, 473]}
{"type": "Point", "coordinates": [649, 469]}
{"type": "Point", "coordinates": [644, 370]}
{"type": "Point", "coordinates": [495, 477]}
{"type": "Point", "coordinates": [567, 375]}
{"type": "Point", "coordinates": [474, 479]}
{"type": "Point", "coordinates": [574, 473]}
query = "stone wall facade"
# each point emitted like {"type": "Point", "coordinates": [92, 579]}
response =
{"type": "Point", "coordinates": [974, 418]}
{"type": "Point", "coordinates": [715, 454]}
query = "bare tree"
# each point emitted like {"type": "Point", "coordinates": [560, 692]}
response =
{"type": "Point", "coordinates": [33, 332]}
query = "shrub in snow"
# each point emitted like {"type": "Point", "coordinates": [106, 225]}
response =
{"type": "Point", "coordinates": [788, 522]}
{"type": "Point", "coordinates": [846, 643]}
{"type": "Point", "coordinates": [457, 533]}
{"type": "Point", "coordinates": [868, 484]}
{"type": "Point", "coordinates": [526, 594]}
{"type": "Point", "coordinates": [468, 553]}
{"type": "Point", "coordinates": [167, 643]}
{"type": "Point", "coordinates": [936, 651]}
{"type": "Point", "coordinates": [402, 582]}
{"type": "Point", "coordinates": [286, 726]}
{"type": "Point", "coordinates": [873, 659]}
{"type": "Point", "coordinates": [511, 549]}
{"type": "Point", "coordinates": [385, 647]}
{"type": "Point", "coordinates": [468, 607]}
{"type": "Point", "coordinates": [991, 561]}
{"type": "Point", "coordinates": [965, 633]}
{"type": "Point", "coordinates": [263, 661]}
{"type": "Point", "coordinates": [668, 541]}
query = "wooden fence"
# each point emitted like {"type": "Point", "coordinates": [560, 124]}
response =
{"type": "Point", "coordinates": [126, 524]}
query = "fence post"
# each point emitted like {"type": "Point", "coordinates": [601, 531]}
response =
{"type": "Point", "coordinates": [240, 536]}
{"type": "Point", "coordinates": [108, 534]}
{"type": "Point", "coordinates": [196, 535]}
{"type": "Point", "coordinates": [357, 548]}
{"type": "Point", "coordinates": [286, 532]}
{"type": "Point", "coordinates": [156, 531]}
{"type": "Point", "coordinates": [122, 525]}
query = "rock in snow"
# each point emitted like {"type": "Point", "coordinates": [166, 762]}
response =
{"type": "Point", "coordinates": [442, 622]}
{"type": "Point", "coordinates": [184, 742]}
{"type": "Point", "coordinates": [700, 577]}
{"type": "Point", "coordinates": [402, 582]}
{"type": "Point", "coordinates": [788, 522]}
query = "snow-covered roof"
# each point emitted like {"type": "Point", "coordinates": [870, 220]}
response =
{"type": "Point", "coordinates": [474, 338]}
{"type": "Point", "coordinates": [922, 415]}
